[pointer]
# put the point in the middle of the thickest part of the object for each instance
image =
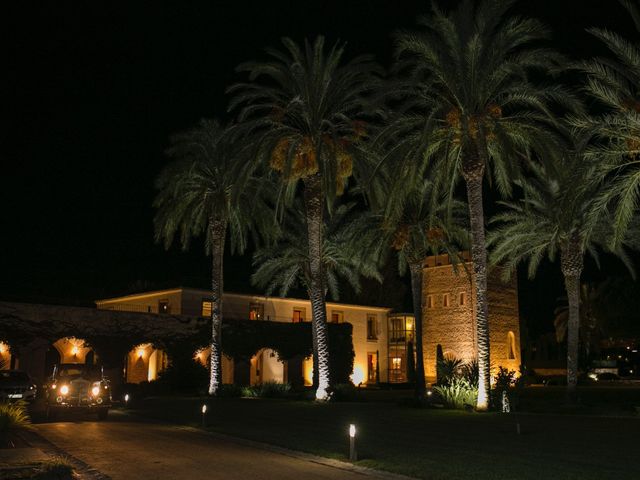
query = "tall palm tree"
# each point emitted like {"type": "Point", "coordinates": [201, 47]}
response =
{"type": "Point", "coordinates": [591, 328]}
{"type": "Point", "coordinates": [306, 109]}
{"type": "Point", "coordinates": [415, 223]}
{"type": "Point", "coordinates": [207, 188]}
{"type": "Point", "coordinates": [472, 111]}
{"type": "Point", "coordinates": [554, 218]}
{"type": "Point", "coordinates": [615, 84]}
{"type": "Point", "coordinates": [286, 264]}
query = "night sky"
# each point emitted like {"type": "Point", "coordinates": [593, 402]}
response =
{"type": "Point", "coordinates": [91, 92]}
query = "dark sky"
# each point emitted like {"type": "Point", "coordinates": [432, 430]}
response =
{"type": "Point", "coordinates": [92, 90]}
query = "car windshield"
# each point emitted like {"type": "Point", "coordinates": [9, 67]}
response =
{"type": "Point", "coordinates": [78, 371]}
{"type": "Point", "coordinates": [12, 376]}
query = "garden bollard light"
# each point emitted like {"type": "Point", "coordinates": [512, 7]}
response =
{"type": "Point", "coordinates": [353, 456]}
{"type": "Point", "coordinates": [204, 412]}
{"type": "Point", "coordinates": [126, 400]}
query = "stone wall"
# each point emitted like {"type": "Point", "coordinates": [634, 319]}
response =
{"type": "Point", "coordinates": [449, 316]}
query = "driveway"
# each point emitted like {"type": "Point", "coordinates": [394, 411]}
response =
{"type": "Point", "coordinates": [125, 448]}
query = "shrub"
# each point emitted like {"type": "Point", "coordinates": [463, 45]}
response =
{"type": "Point", "coordinates": [505, 380]}
{"type": "Point", "coordinates": [267, 390]}
{"type": "Point", "coordinates": [471, 372]}
{"type": "Point", "coordinates": [185, 376]}
{"type": "Point", "coordinates": [230, 391]}
{"type": "Point", "coordinates": [448, 369]}
{"type": "Point", "coordinates": [57, 468]}
{"type": "Point", "coordinates": [13, 416]}
{"type": "Point", "coordinates": [458, 393]}
{"type": "Point", "coordinates": [346, 392]}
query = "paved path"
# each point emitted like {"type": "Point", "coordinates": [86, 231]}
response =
{"type": "Point", "coordinates": [124, 448]}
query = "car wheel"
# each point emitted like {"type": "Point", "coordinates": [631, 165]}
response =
{"type": "Point", "coordinates": [103, 413]}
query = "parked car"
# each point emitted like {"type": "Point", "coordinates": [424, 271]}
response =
{"type": "Point", "coordinates": [16, 385]}
{"type": "Point", "coordinates": [77, 387]}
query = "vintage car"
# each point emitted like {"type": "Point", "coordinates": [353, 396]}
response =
{"type": "Point", "coordinates": [16, 385]}
{"type": "Point", "coordinates": [77, 387]}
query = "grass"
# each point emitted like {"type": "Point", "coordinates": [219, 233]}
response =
{"type": "Point", "coordinates": [13, 416]}
{"type": "Point", "coordinates": [56, 468]}
{"type": "Point", "coordinates": [428, 443]}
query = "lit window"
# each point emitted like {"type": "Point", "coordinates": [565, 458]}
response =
{"type": "Point", "coordinates": [372, 367]}
{"type": "Point", "coordinates": [256, 311]}
{"type": "Point", "coordinates": [205, 311]}
{"type": "Point", "coordinates": [397, 329]}
{"type": "Point", "coordinates": [372, 327]}
{"type": "Point", "coordinates": [337, 317]}
{"type": "Point", "coordinates": [396, 363]}
{"type": "Point", "coordinates": [298, 315]}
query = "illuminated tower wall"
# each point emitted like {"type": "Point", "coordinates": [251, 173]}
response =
{"type": "Point", "coordinates": [449, 306]}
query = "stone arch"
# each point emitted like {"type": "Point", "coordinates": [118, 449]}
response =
{"type": "Point", "coordinates": [265, 367]}
{"type": "Point", "coordinates": [6, 359]}
{"type": "Point", "coordinates": [72, 349]}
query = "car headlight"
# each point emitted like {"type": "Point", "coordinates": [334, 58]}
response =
{"type": "Point", "coordinates": [95, 391]}
{"type": "Point", "coordinates": [64, 389]}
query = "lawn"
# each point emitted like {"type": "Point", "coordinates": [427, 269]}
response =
{"type": "Point", "coordinates": [427, 443]}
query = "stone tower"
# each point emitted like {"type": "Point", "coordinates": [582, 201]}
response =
{"type": "Point", "coordinates": [448, 310]}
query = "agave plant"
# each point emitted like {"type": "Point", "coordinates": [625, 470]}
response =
{"type": "Point", "coordinates": [459, 393]}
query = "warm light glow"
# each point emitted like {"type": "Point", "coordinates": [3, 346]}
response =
{"type": "Point", "coordinates": [95, 391]}
{"type": "Point", "coordinates": [307, 371]}
{"type": "Point", "coordinates": [54, 386]}
{"type": "Point", "coordinates": [126, 398]}
{"type": "Point", "coordinates": [429, 393]}
{"type": "Point", "coordinates": [75, 350]}
{"type": "Point", "coordinates": [204, 409]}
{"type": "Point", "coordinates": [64, 389]}
{"type": "Point", "coordinates": [3, 347]}
{"type": "Point", "coordinates": [352, 430]}
{"type": "Point", "coordinates": [357, 377]}
{"type": "Point", "coordinates": [140, 352]}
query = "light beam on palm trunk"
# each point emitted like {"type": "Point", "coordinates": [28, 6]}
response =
{"type": "Point", "coordinates": [209, 189]}
{"type": "Point", "coordinates": [472, 111]}
{"type": "Point", "coordinates": [305, 110]}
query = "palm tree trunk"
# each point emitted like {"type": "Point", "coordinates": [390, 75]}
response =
{"type": "Point", "coordinates": [313, 200]}
{"type": "Point", "coordinates": [473, 180]}
{"type": "Point", "coordinates": [218, 232]}
{"type": "Point", "coordinates": [572, 263]}
{"type": "Point", "coordinates": [416, 290]}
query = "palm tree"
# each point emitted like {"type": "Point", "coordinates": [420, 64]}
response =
{"type": "Point", "coordinates": [306, 110]}
{"type": "Point", "coordinates": [471, 111]}
{"type": "Point", "coordinates": [615, 84]}
{"type": "Point", "coordinates": [555, 218]}
{"type": "Point", "coordinates": [591, 322]}
{"type": "Point", "coordinates": [286, 264]}
{"type": "Point", "coordinates": [417, 226]}
{"type": "Point", "coordinates": [207, 188]}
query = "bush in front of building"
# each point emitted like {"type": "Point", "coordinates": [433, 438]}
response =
{"type": "Point", "coordinates": [267, 390]}
{"type": "Point", "coordinates": [458, 394]}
